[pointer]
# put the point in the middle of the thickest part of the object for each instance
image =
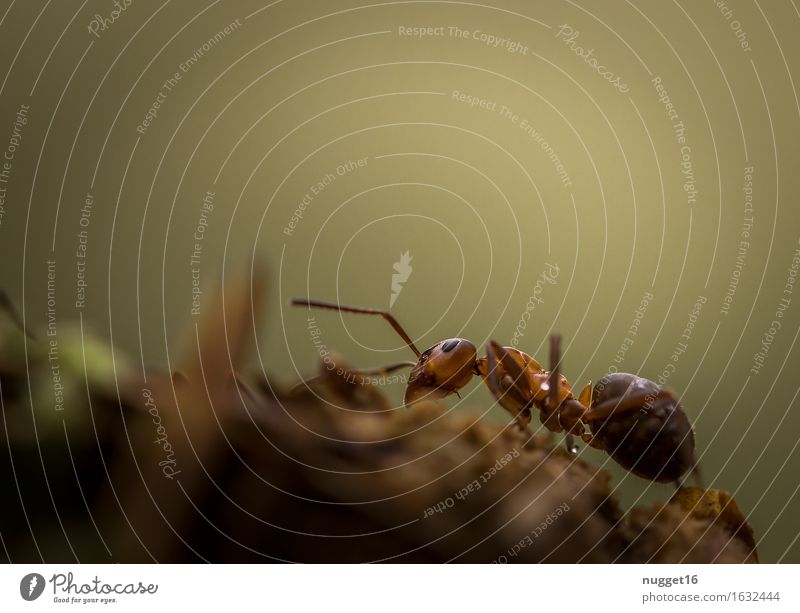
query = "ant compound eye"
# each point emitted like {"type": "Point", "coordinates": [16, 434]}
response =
{"type": "Point", "coordinates": [450, 345]}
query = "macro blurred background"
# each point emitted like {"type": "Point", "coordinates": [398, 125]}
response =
{"type": "Point", "coordinates": [624, 174]}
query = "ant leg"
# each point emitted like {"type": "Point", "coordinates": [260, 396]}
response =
{"type": "Point", "coordinates": [569, 443]}
{"type": "Point", "coordinates": [319, 304]}
{"type": "Point", "coordinates": [356, 375]}
{"type": "Point", "coordinates": [553, 383]}
{"type": "Point", "coordinates": [380, 371]}
{"type": "Point", "coordinates": [510, 399]}
{"type": "Point", "coordinates": [585, 399]}
{"type": "Point", "coordinates": [513, 369]}
{"type": "Point", "coordinates": [592, 441]}
{"type": "Point", "coordinates": [627, 403]}
{"type": "Point", "coordinates": [568, 410]}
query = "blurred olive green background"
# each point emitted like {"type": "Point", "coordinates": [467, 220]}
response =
{"type": "Point", "coordinates": [552, 165]}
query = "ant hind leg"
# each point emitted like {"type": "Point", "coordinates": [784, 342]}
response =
{"type": "Point", "coordinates": [553, 382]}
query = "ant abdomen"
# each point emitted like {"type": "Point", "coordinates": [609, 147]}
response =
{"type": "Point", "coordinates": [655, 440]}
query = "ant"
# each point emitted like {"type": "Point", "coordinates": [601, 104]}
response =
{"type": "Point", "coordinates": [641, 425]}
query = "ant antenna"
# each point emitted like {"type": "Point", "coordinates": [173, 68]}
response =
{"type": "Point", "coordinates": [319, 304]}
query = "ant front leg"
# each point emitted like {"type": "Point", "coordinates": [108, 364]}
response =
{"type": "Point", "coordinates": [355, 376]}
{"type": "Point", "coordinates": [511, 387]}
{"type": "Point", "coordinates": [352, 388]}
{"type": "Point", "coordinates": [363, 376]}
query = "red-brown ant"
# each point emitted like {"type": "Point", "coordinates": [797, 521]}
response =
{"type": "Point", "coordinates": [639, 424]}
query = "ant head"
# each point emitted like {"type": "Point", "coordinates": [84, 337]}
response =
{"type": "Point", "coordinates": [442, 370]}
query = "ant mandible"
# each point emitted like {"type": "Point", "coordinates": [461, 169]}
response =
{"type": "Point", "coordinates": [641, 425]}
